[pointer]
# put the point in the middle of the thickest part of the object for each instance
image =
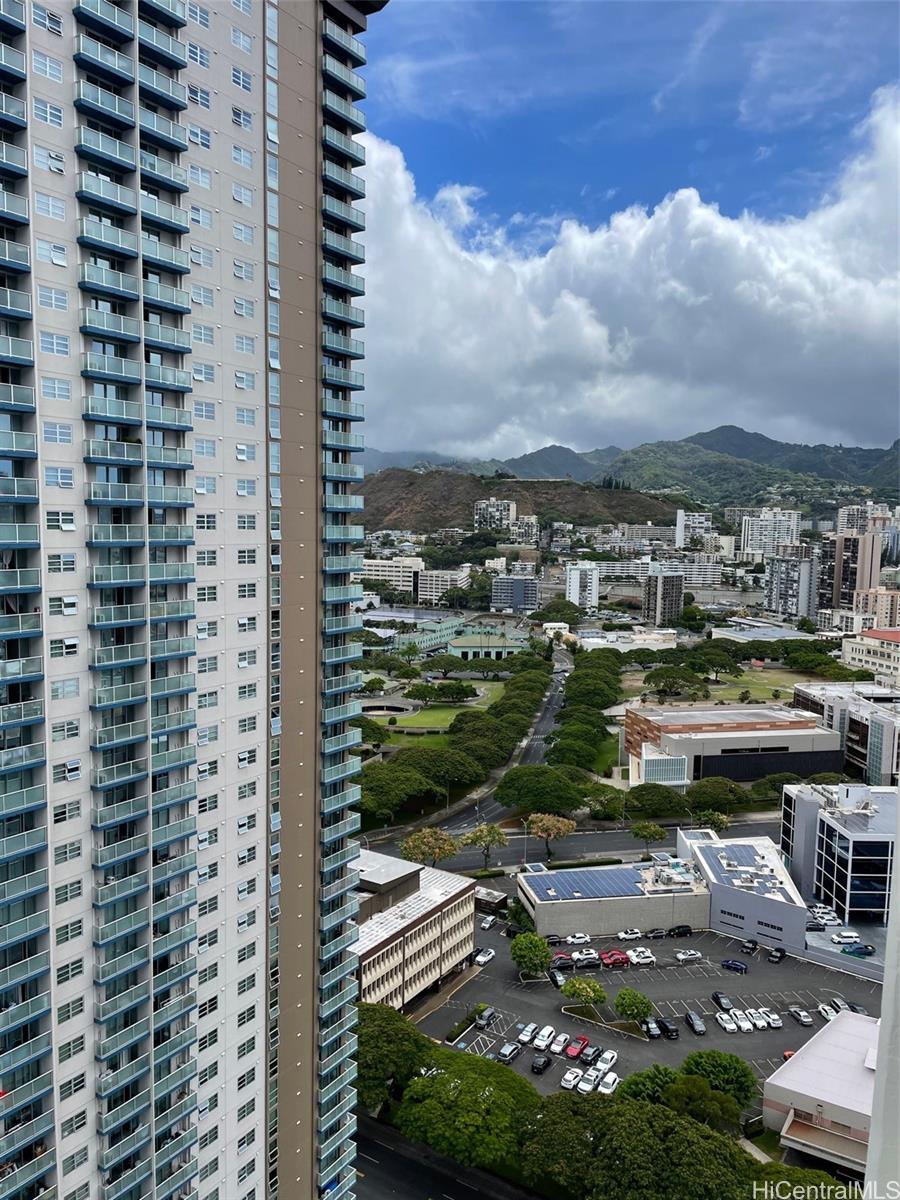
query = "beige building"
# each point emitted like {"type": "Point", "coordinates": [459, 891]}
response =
{"type": "Point", "coordinates": [881, 603]}
{"type": "Point", "coordinates": [433, 584]}
{"type": "Point", "coordinates": [401, 573]}
{"type": "Point", "coordinates": [876, 650]}
{"type": "Point", "coordinates": [416, 925]}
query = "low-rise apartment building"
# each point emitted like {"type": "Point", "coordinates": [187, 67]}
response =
{"type": "Point", "coordinates": [517, 593]}
{"type": "Point", "coordinates": [875, 650]}
{"type": "Point", "coordinates": [882, 603]}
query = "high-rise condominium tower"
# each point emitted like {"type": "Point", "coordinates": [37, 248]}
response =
{"type": "Point", "coordinates": [178, 198]}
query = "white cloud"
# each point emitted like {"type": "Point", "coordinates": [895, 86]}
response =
{"type": "Point", "coordinates": [656, 324]}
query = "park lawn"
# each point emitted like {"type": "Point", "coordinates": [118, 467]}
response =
{"type": "Point", "coordinates": [632, 683]}
{"type": "Point", "coordinates": [439, 716]}
{"type": "Point", "coordinates": [435, 741]}
{"type": "Point", "coordinates": [769, 1142]}
{"type": "Point", "coordinates": [607, 754]}
{"type": "Point", "coordinates": [759, 683]}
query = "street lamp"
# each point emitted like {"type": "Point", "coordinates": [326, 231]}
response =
{"type": "Point", "coordinates": [524, 821]}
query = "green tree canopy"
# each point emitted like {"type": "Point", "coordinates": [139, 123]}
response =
{"type": "Point", "coordinates": [429, 846]}
{"type": "Point", "coordinates": [691, 1096]}
{"type": "Point", "coordinates": [538, 788]}
{"type": "Point", "coordinates": [388, 787]}
{"type": "Point", "coordinates": [581, 989]}
{"type": "Point", "coordinates": [673, 681]}
{"type": "Point", "coordinates": [530, 953]}
{"type": "Point", "coordinates": [770, 787]}
{"type": "Point", "coordinates": [632, 1005]}
{"type": "Point", "coordinates": [391, 1050]}
{"type": "Point", "coordinates": [718, 822]}
{"type": "Point", "coordinates": [724, 795]}
{"type": "Point", "coordinates": [725, 1072]}
{"type": "Point", "coordinates": [647, 832]}
{"type": "Point", "coordinates": [444, 768]}
{"type": "Point", "coordinates": [486, 838]}
{"type": "Point", "coordinates": [443, 664]}
{"type": "Point", "coordinates": [649, 1084]}
{"type": "Point", "coordinates": [372, 733]}
{"type": "Point", "coordinates": [571, 751]}
{"type": "Point", "coordinates": [655, 800]}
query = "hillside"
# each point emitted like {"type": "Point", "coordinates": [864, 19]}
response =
{"type": "Point", "coordinates": [851, 463]}
{"type": "Point", "coordinates": [425, 501]}
{"type": "Point", "coordinates": [550, 462]}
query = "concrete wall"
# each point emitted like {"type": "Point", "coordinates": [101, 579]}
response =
{"type": "Point", "coordinates": [604, 918]}
{"type": "Point", "coordinates": [745, 914]}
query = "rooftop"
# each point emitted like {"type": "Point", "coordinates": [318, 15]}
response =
{"type": "Point", "coordinates": [664, 876]}
{"type": "Point", "coordinates": [883, 635]}
{"type": "Point", "coordinates": [435, 889]}
{"type": "Point", "coordinates": [855, 808]}
{"type": "Point", "coordinates": [837, 1064]}
{"type": "Point", "coordinates": [748, 865]}
{"type": "Point", "coordinates": [381, 870]}
{"type": "Point", "coordinates": [723, 715]}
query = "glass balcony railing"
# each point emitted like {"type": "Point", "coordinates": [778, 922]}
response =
{"type": "Point", "coordinates": [120, 694]}
{"type": "Point", "coordinates": [13, 669]}
{"type": "Point", "coordinates": [183, 718]}
{"type": "Point", "coordinates": [105, 193]}
{"type": "Point", "coordinates": [131, 923]}
{"type": "Point", "coordinates": [134, 809]}
{"type": "Point", "coordinates": [111, 367]}
{"type": "Point", "coordinates": [166, 416]}
{"type": "Point", "coordinates": [346, 280]}
{"type": "Point", "coordinates": [104, 856]}
{"type": "Point", "coordinates": [164, 215]}
{"type": "Point", "coordinates": [170, 496]}
{"type": "Point", "coordinates": [163, 296]}
{"type": "Point", "coordinates": [18, 444]}
{"type": "Point", "coordinates": [167, 91]}
{"type": "Point", "coordinates": [122, 1002]}
{"type": "Point", "coordinates": [173, 610]}
{"type": "Point", "coordinates": [355, 84]}
{"type": "Point", "coordinates": [96, 57]}
{"type": "Point", "coordinates": [109, 1082]}
{"type": "Point", "coordinates": [334, 104]}
{"type": "Point", "coordinates": [107, 282]}
{"type": "Point", "coordinates": [91, 320]}
{"type": "Point", "coordinates": [157, 128]}
{"type": "Point", "coordinates": [129, 654]}
{"type": "Point", "coordinates": [347, 146]}
{"type": "Point", "coordinates": [103, 777]}
{"type": "Point", "coordinates": [121, 735]}
{"type": "Point", "coordinates": [114, 535]}
{"type": "Point", "coordinates": [354, 184]}
{"type": "Point", "coordinates": [102, 148]}
{"type": "Point", "coordinates": [172, 378]}
{"type": "Point", "coordinates": [99, 101]}
{"type": "Point", "coordinates": [161, 171]}
{"type": "Point", "coordinates": [125, 494]}
{"type": "Point", "coordinates": [347, 43]}
{"type": "Point", "coordinates": [172, 258]}
{"type": "Point", "coordinates": [121, 889]}
{"type": "Point", "coordinates": [97, 450]}
{"type": "Point", "coordinates": [109, 408]}
{"type": "Point", "coordinates": [118, 575]}
{"type": "Point", "coordinates": [111, 21]}
{"type": "Point", "coordinates": [114, 1117]}
{"type": "Point", "coordinates": [161, 47]}
{"type": "Point", "coordinates": [20, 624]}
{"type": "Point", "coordinates": [15, 397]}
{"type": "Point", "coordinates": [117, 614]}
{"type": "Point", "coordinates": [355, 218]}
{"type": "Point", "coordinates": [128, 1182]}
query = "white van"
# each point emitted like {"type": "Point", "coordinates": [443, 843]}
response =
{"type": "Point", "coordinates": [845, 938]}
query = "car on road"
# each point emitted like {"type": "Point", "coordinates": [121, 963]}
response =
{"type": "Point", "coordinates": [743, 1022]}
{"type": "Point", "coordinates": [826, 1012]}
{"type": "Point", "coordinates": [735, 964]}
{"type": "Point", "coordinates": [589, 1080]}
{"type": "Point", "coordinates": [684, 956]}
{"type": "Point", "coordinates": [484, 957]}
{"type": "Point", "coordinates": [776, 954]}
{"type": "Point", "coordinates": [723, 1019]}
{"type": "Point", "coordinates": [651, 1028]}
{"type": "Point", "coordinates": [614, 958]}
{"type": "Point", "coordinates": [655, 934]}
{"type": "Point", "coordinates": [556, 977]}
{"type": "Point", "coordinates": [508, 1051]}
{"type": "Point", "coordinates": [750, 945]}
{"type": "Point", "coordinates": [680, 931]}
{"type": "Point", "coordinates": [559, 1043]}
{"type": "Point", "coordinates": [552, 939]}
{"type": "Point", "coordinates": [608, 1059]}
{"type": "Point", "coordinates": [608, 1084]}
{"type": "Point", "coordinates": [628, 935]}
{"type": "Point", "coordinates": [668, 1028]}
{"type": "Point", "coordinates": [839, 1004]}
{"type": "Point", "coordinates": [571, 1078]}
{"type": "Point", "coordinates": [577, 939]}
{"type": "Point", "coordinates": [847, 937]}
{"type": "Point", "coordinates": [772, 1018]}
{"type": "Point", "coordinates": [562, 962]}
{"type": "Point", "coordinates": [585, 958]}
{"type": "Point", "coordinates": [540, 1063]}
{"type": "Point", "coordinates": [722, 1001]}
{"type": "Point", "coordinates": [577, 1044]}
{"type": "Point", "coordinates": [488, 922]}
{"type": "Point", "coordinates": [528, 1033]}
{"type": "Point", "coordinates": [755, 1017]}
{"type": "Point", "coordinates": [695, 1022]}
{"type": "Point", "coordinates": [590, 1054]}
{"type": "Point", "coordinates": [859, 950]}
{"type": "Point", "coordinates": [858, 1008]}
{"type": "Point", "coordinates": [640, 956]}
{"type": "Point", "coordinates": [800, 1015]}
{"type": "Point", "coordinates": [544, 1038]}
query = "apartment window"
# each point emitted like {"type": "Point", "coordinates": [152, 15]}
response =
{"type": "Point", "coordinates": [243, 195]}
{"type": "Point", "coordinates": [243, 41]}
{"type": "Point", "coordinates": [243, 6]}
{"type": "Point", "coordinates": [246, 521]}
{"type": "Point", "coordinates": [245, 452]}
{"type": "Point", "coordinates": [246, 724]}
{"type": "Point", "coordinates": [241, 118]}
{"type": "Point", "coordinates": [73, 1124]}
{"type": "Point", "coordinates": [209, 1168]}
{"type": "Point", "coordinates": [209, 1138]}
{"type": "Point", "coordinates": [73, 1161]}
{"type": "Point", "coordinates": [245, 824]}
{"type": "Point", "coordinates": [202, 372]}
{"type": "Point", "coordinates": [67, 772]}
{"type": "Point", "coordinates": [249, 1046]}
{"type": "Point", "coordinates": [198, 54]}
{"type": "Point", "coordinates": [207, 734]}
{"type": "Point", "coordinates": [201, 176]}
{"type": "Point", "coordinates": [61, 731]}
{"type": "Point", "coordinates": [244, 416]}
{"type": "Point", "coordinates": [69, 1049]}
{"type": "Point", "coordinates": [205, 447]}
{"type": "Point", "coordinates": [61, 477]}
{"type": "Point", "coordinates": [246, 856]}
{"type": "Point", "coordinates": [72, 1008]}
{"type": "Point", "coordinates": [205, 839]}
{"type": "Point", "coordinates": [82, 1192]}
{"type": "Point", "coordinates": [243, 270]}
{"type": "Point", "coordinates": [207, 940]}
{"type": "Point", "coordinates": [45, 19]}
{"type": "Point", "coordinates": [64, 689]}
{"type": "Point", "coordinates": [211, 1005]}
{"type": "Point", "coordinates": [47, 113]}
{"type": "Point", "coordinates": [58, 432]}
{"type": "Point", "coordinates": [198, 14]}
{"type": "Point", "coordinates": [43, 64]}
{"type": "Point", "coordinates": [211, 1072]}
{"type": "Point", "coordinates": [208, 770]}
{"type": "Point", "coordinates": [202, 334]}
{"type": "Point", "coordinates": [68, 891]}
{"type": "Point", "coordinates": [207, 699]}
{"type": "Point", "coordinates": [245, 1110]}
{"type": "Point", "coordinates": [70, 811]}
{"type": "Point", "coordinates": [208, 804]}
{"type": "Point", "coordinates": [246, 591]}
{"type": "Point", "coordinates": [246, 791]}
{"type": "Point", "coordinates": [246, 952]}
{"type": "Point", "coordinates": [207, 629]}
{"type": "Point", "coordinates": [66, 852]}
{"type": "Point", "coordinates": [208, 1040]}
{"type": "Point", "coordinates": [206, 558]}
{"type": "Point", "coordinates": [198, 136]}
{"type": "Point", "coordinates": [201, 256]}
{"type": "Point", "coordinates": [203, 217]}
{"type": "Point", "coordinates": [246, 658]}
{"type": "Point", "coordinates": [198, 95]}
{"type": "Point", "coordinates": [69, 971]}
{"type": "Point", "coordinates": [210, 870]}
{"type": "Point", "coordinates": [242, 79]}
{"type": "Point", "coordinates": [240, 156]}
{"type": "Point", "coordinates": [204, 410]}
{"type": "Point", "coordinates": [56, 519]}
{"type": "Point", "coordinates": [71, 1087]}
{"type": "Point", "coordinates": [55, 343]}
{"type": "Point", "coordinates": [247, 888]}
{"type": "Point", "coordinates": [247, 691]}
{"type": "Point", "coordinates": [49, 160]}
{"type": "Point", "coordinates": [246, 1141]}
{"type": "Point", "coordinates": [207, 593]}
{"type": "Point", "coordinates": [67, 933]}
{"type": "Point", "coordinates": [245, 381]}
{"type": "Point", "coordinates": [63, 647]}
{"type": "Point", "coordinates": [55, 389]}
{"type": "Point", "coordinates": [244, 307]}
{"type": "Point", "coordinates": [49, 206]}
{"type": "Point", "coordinates": [242, 233]}
{"type": "Point", "coordinates": [60, 564]}
{"type": "Point", "coordinates": [205, 485]}
{"type": "Point", "coordinates": [51, 252]}
{"type": "Point", "coordinates": [246, 1079]}
{"type": "Point", "coordinates": [202, 295]}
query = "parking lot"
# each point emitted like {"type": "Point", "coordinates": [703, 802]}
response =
{"type": "Point", "coordinates": [673, 988]}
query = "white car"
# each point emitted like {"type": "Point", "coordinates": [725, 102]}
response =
{"type": "Point", "coordinates": [740, 1018]}
{"type": "Point", "coordinates": [607, 1060]}
{"type": "Point", "coordinates": [484, 957]}
{"type": "Point", "coordinates": [608, 1084]}
{"type": "Point", "coordinates": [826, 1012]}
{"type": "Point", "coordinates": [544, 1038]}
{"type": "Point", "coordinates": [684, 956]}
{"type": "Point", "coordinates": [589, 1080]}
{"type": "Point", "coordinates": [584, 958]}
{"type": "Point", "coordinates": [559, 1043]}
{"type": "Point", "coordinates": [528, 1033]}
{"type": "Point", "coordinates": [723, 1019]}
{"type": "Point", "coordinates": [640, 956]}
{"type": "Point", "coordinates": [628, 935]}
{"type": "Point", "coordinates": [571, 1079]}
{"type": "Point", "coordinates": [488, 922]}
{"type": "Point", "coordinates": [577, 939]}
{"type": "Point", "coordinates": [773, 1020]}
{"type": "Point", "coordinates": [847, 937]}
{"type": "Point", "coordinates": [757, 1019]}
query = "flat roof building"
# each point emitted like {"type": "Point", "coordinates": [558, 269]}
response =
{"type": "Point", "coordinates": [516, 592]}
{"type": "Point", "coordinates": [662, 595]}
{"type": "Point", "coordinates": [867, 717]}
{"type": "Point", "coordinates": [876, 650]}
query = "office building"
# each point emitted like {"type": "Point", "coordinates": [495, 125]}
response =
{"type": "Point", "coordinates": [867, 716]}
{"type": "Point", "coordinates": [416, 927]}
{"type": "Point", "coordinates": [484, 644]}
{"type": "Point", "coordinates": [401, 573]}
{"type": "Point", "coordinates": [662, 598]}
{"type": "Point", "coordinates": [881, 603]}
{"type": "Point", "coordinates": [791, 586]}
{"type": "Point", "coordinates": [838, 843]}
{"type": "Point", "coordinates": [761, 532]}
{"type": "Point", "coordinates": [848, 562]}
{"type": "Point", "coordinates": [433, 584]}
{"type": "Point", "coordinates": [494, 514]}
{"type": "Point", "coordinates": [690, 525]}
{"type": "Point", "coordinates": [518, 593]}
{"type": "Point", "coordinates": [179, 219]}
{"type": "Point", "coordinates": [677, 746]}
{"type": "Point", "coordinates": [875, 650]}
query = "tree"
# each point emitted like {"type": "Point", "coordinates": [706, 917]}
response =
{"type": "Point", "coordinates": [409, 652]}
{"type": "Point", "coordinates": [390, 1052]}
{"type": "Point", "coordinates": [386, 788]}
{"type": "Point", "coordinates": [570, 751]}
{"type": "Point", "coordinates": [805, 625]}
{"type": "Point", "coordinates": [770, 787]}
{"type": "Point", "coordinates": [672, 681]}
{"type": "Point", "coordinates": [718, 822]}
{"type": "Point", "coordinates": [715, 662]}
{"type": "Point", "coordinates": [407, 671]}
{"type": "Point", "coordinates": [372, 685]}
{"type": "Point", "coordinates": [656, 800]}
{"type": "Point", "coordinates": [426, 693]}
{"type": "Point", "coordinates": [647, 832]}
{"type": "Point", "coordinates": [443, 664]}
{"type": "Point", "coordinates": [372, 733]}
{"type": "Point", "coordinates": [486, 838]}
{"type": "Point", "coordinates": [557, 1152]}
{"type": "Point", "coordinates": [800, 1181]}
{"type": "Point", "coordinates": [550, 828]}
{"type": "Point", "coordinates": [744, 696]}
{"type": "Point", "coordinates": [725, 1072]}
{"type": "Point", "coordinates": [530, 953]}
{"type": "Point", "coordinates": [649, 1084]}
{"type": "Point", "coordinates": [583, 990]}
{"type": "Point", "coordinates": [429, 845]}
{"type": "Point", "coordinates": [632, 1005]}
{"type": "Point", "coordinates": [716, 792]}
{"type": "Point", "coordinates": [606, 802]}
{"type": "Point", "coordinates": [455, 691]}
{"type": "Point", "coordinates": [469, 1109]}
{"type": "Point", "coordinates": [537, 789]}
{"type": "Point", "coordinates": [444, 768]}
{"type": "Point", "coordinates": [691, 1096]}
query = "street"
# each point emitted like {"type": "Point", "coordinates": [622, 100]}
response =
{"type": "Point", "coordinates": [385, 1175]}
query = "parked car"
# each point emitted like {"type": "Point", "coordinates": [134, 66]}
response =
{"type": "Point", "coordinates": [846, 937]}
{"type": "Point", "coordinates": [640, 956]}
{"type": "Point", "coordinates": [651, 1028]}
{"type": "Point", "coordinates": [724, 1020]}
{"type": "Point", "coordinates": [680, 931]}
{"type": "Point", "coordinates": [544, 1038]}
{"type": "Point", "coordinates": [556, 977]}
{"type": "Point", "coordinates": [508, 1051]}
{"type": "Point", "coordinates": [839, 1004]}
{"type": "Point", "coordinates": [858, 1008]}
{"type": "Point", "coordinates": [695, 1022]}
{"type": "Point", "coordinates": [654, 934]}
{"type": "Point", "coordinates": [484, 1018]}
{"type": "Point", "coordinates": [800, 1015]}
{"type": "Point", "coordinates": [608, 1059]}
{"type": "Point", "coordinates": [590, 1054]}
{"type": "Point", "coordinates": [755, 1017]}
{"type": "Point", "coordinates": [750, 945]}
{"type": "Point", "coordinates": [668, 1028]}
{"type": "Point", "coordinates": [628, 935]}
{"type": "Point", "coordinates": [776, 954]}
{"type": "Point", "coordinates": [614, 958]}
{"type": "Point", "coordinates": [552, 939]}
{"type": "Point", "coordinates": [608, 1084]}
{"type": "Point", "coordinates": [562, 962]}
{"type": "Point", "coordinates": [826, 1012]}
{"type": "Point", "coordinates": [571, 1078]}
{"type": "Point", "coordinates": [528, 1033]}
{"type": "Point", "coordinates": [577, 1044]}
{"type": "Point", "coordinates": [743, 1022]}
{"type": "Point", "coordinates": [815, 926]}
{"type": "Point", "coordinates": [722, 1001]}
{"type": "Point", "coordinates": [735, 964]}
{"type": "Point", "coordinates": [772, 1018]}
{"type": "Point", "coordinates": [589, 1081]}
{"type": "Point", "coordinates": [833, 919]}
{"type": "Point", "coordinates": [488, 922]}
{"type": "Point", "coordinates": [684, 956]}
{"type": "Point", "coordinates": [577, 939]}
{"type": "Point", "coordinates": [859, 950]}
{"type": "Point", "coordinates": [559, 1043]}
{"type": "Point", "coordinates": [585, 958]}
{"type": "Point", "coordinates": [540, 1063]}
{"type": "Point", "coordinates": [484, 957]}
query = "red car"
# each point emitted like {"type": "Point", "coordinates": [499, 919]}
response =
{"type": "Point", "coordinates": [614, 958]}
{"type": "Point", "coordinates": [577, 1044]}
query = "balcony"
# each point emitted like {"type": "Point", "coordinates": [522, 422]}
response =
{"type": "Point", "coordinates": [117, 1042]}
{"type": "Point", "coordinates": [21, 670]}
{"type": "Point", "coordinates": [109, 1082]}
{"type": "Point", "coordinates": [118, 575]}
{"type": "Point", "coordinates": [345, 280]}
{"type": "Point", "coordinates": [122, 495]}
{"type": "Point", "coordinates": [96, 450]}
{"type": "Point", "coordinates": [344, 145]}
{"type": "Point", "coordinates": [341, 712]}
{"type": "Point", "coordinates": [166, 943]}
{"type": "Point", "coordinates": [336, 440]}
{"type": "Point", "coordinates": [13, 208]}
{"type": "Point", "coordinates": [161, 254]}
{"type": "Point", "coordinates": [135, 809]}
{"type": "Point", "coordinates": [175, 1143]}
{"type": "Point", "coordinates": [345, 624]}
{"type": "Point", "coordinates": [22, 930]}
{"type": "Point", "coordinates": [345, 995]}
{"type": "Point", "coordinates": [330, 834]}
{"type": "Point", "coordinates": [25, 712]}
{"type": "Point", "coordinates": [160, 170]}
{"type": "Point", "coordinates": [333, 34]}
{"type": "Point", "coordinates": [161, 88]}
{"type": "Point", "coordinates": [180, 1077]}
{"type": "Point", "coordinates": [353, 218]}
{"type": "Point", "coordinates": [12, 16]}
{"type": "Point", "coordinates": [175, 831]}
{"type": "Point", "coordinates": [99, 102]}
{"type": "Point", "coordinates": [17, 625]}
{"type": "Point", "coordinates": [106, 19]}
{"type": "Point", "coordinates": [22, 758]}
{"type": "Point", "coordinates": [16, 304]}
{"type": "Point", "coordinates": [171, 535]}
{"type": "Point", "coordinates": [14, 490]}
{"type": "Point", "coordinates": [30, 1173]}
{"type": "Point", "coordinates": [347, 314]}
{"type": "Point", "coordinates": [99, 59]}
{"type": "Point", "coordinates": [118, 242]}
{"type": "Point", "coordinates": [14, 256]}
{"type": "Point", "coordinates": [165, 416]}
{"type": "Point", "coordinates": [171, 760]}
{"type": "Point", "coordinates": [162, 215]}
{"type": "Point", "coordinates": [117, 616]}
{"type": "Point", "coordinates": [111, 368]}
{"type": "Point", "coordinates": [169, 496]}
{"type": "Point", "coordinates": [177, 902]}
{"type": "Point", "coordinates": [102, 324]}
{"type": "Point", "coordinates": [130, 1144]}
{"type": "Point", "coordinates": [26, 579]}
{"type": "Point", "coordinates": [121, 889]}
{"type": "Point", "coordinates": [349, 113]}
{"type": "Point", "coordinates": [105, 150]}
{"type": "Point", "coordinates": [128, 733]}
{"type": "Point", "coordinates": [338, 343]}
{"type": "Point", "coordinates": [12, 64]}
{"type": "Point", "coordinates": [335, 72]}
{"type": "Point", "coordinates": [340, 771]}
{"type": "Point", "coordinates": [113, 1117]}
{"type": "Point", "coordinates": [177, 793]}
{"type": "Point", "coordinates": [172, 379]}
{"type": "Point", "coordinates": [120, 285]}
{"type": "Point", "coordinates": [160, 47]}
{"type": "Point", "coordinates": [105, 194]}
{"type": "Point", "coordinates": [340, 564]}
{"type": "Point", "coordinates": [130, 1180]}
{"type": "Point", "coordinates": [173, 572]}
{"type": "Point", "coordinates": [171, 868]}
{"type": "Point", "coordinates": [171, 299]}
{"type": "Point", "coordinates": [132, 654]}
{"type": "Point", "coordinates": [120, 694]}
{"type": "Point", "coordinates": [341, 178]}
{"type": "Point", "coordinates": [114, 535]}
{"type": "Point", "coordinates": [173, 685]}
{"type": "Point", "coordinates": [171, 1184]}
{"type": "Point", "coordinates": [175, 1112]}
{"type": "Point", "coordinates": [343, 503]}
{"type": "Point", "coordinates": [115, 776]}
{"type": "Point", "coordinates": [161, 131]}
{"type": "Point", "coordinates": [340, 471]}
{"type": "Point", "coordinates": [121, 927]}
{"type": "Point", "coordinates": [24, 1013]}
{"type": "Point", "coordinates": [17, 445]}
{"type": "Point", "coordinates": [345, 410]}
{"type": "Point", "coordinates": [19, 537]}
{"type": "Point", "coordinates": [343, 247]}
{"type": "Point", "coordinates": [342, 377]}
{"type": "Point", "coordinates": [13, 113]}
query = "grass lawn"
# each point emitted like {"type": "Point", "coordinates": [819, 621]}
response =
{"type": "Point", "coordinates": [769, 1143]}
{"type": "Point", "coordinates": [758, 682]}
{"type": "Point", "coordinates": [439, 716]}
{"type": "Point", "coordinates": [435, 741]}
{"type": "Point", "coordinates": [607, 755]}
